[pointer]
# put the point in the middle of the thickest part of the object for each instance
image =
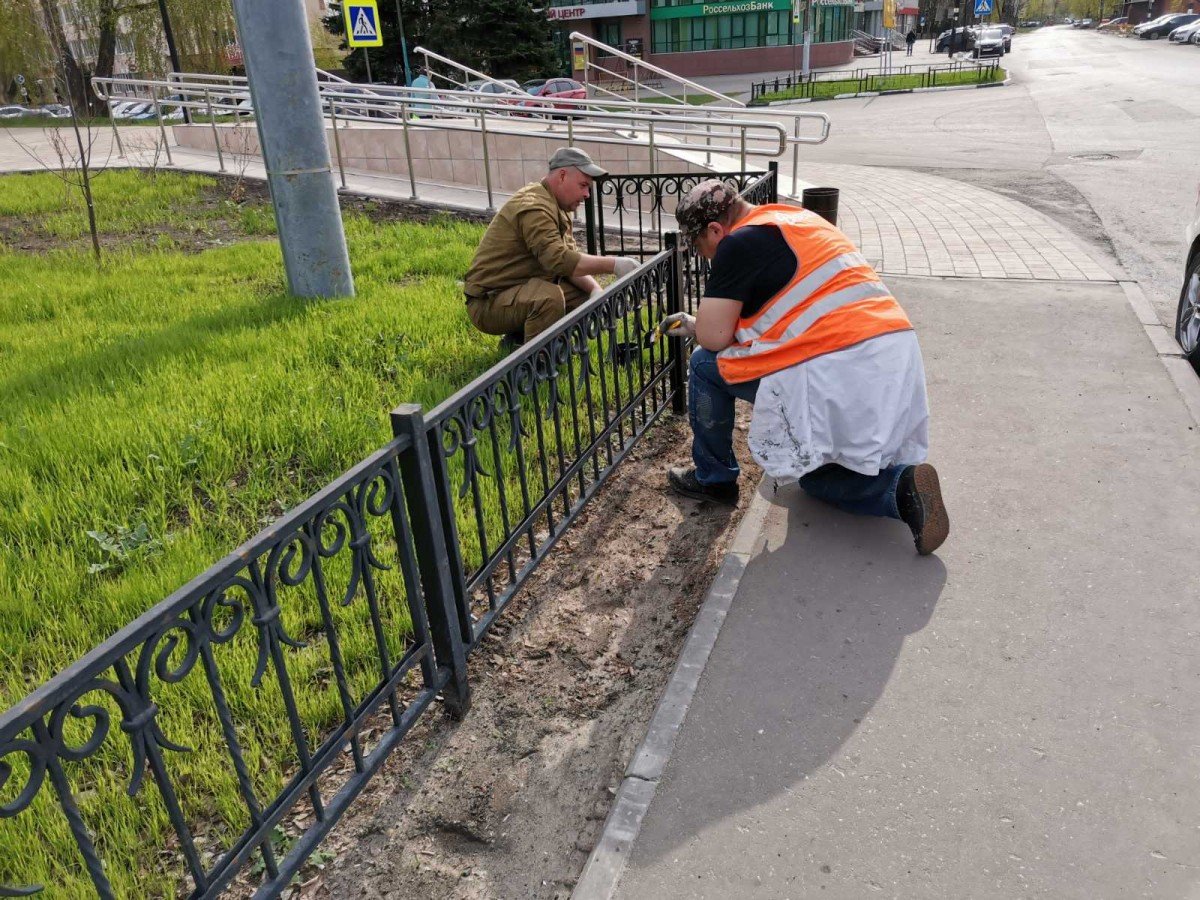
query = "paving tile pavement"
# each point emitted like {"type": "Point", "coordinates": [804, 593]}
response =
{"type": "Point", "coordinates": [911, 223]}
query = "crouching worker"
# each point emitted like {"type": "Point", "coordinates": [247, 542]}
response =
{"type": "Point", "coordinates": [795, 321]}
{"type": "Point", "coordinates": [527, 272]}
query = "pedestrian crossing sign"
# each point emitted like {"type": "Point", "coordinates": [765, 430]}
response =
{"type": "Point", "coordinates": [362, 24]}
{"type": "Point", "coordinates": [983, 7]}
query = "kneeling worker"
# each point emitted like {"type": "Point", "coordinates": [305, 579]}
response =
{"type": "Point", "coordinates": [795, 321]}
{"type": "Point", "coordinates": [527, 272]}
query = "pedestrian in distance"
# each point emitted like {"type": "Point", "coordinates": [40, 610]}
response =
{"type": "Point", "coordinates": [795, 321]}
{"type": "Point", "coordinates": [528, 272]}
{"type": "Point", "coordinates": [910, 39]}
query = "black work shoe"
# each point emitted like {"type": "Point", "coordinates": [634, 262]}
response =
{"type": "Point", "coordinates": [512, 341]}
{"type": "Point", "coordinates": [919, 500]}
{"type": "Point", "coordinates": [683, 481]}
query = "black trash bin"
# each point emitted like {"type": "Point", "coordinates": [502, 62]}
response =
{"type": "Point", "coordinates": [823, 201]}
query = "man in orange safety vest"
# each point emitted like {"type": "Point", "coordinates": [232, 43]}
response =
{"type": "Point", "coordinates": [795, 321]}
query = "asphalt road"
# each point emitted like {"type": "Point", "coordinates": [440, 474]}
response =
{"type": "Point", "coordinates": [1073, 93]}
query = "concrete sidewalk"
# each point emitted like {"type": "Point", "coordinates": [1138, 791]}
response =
{"type": "Point", "coordinates": [1016, 716]}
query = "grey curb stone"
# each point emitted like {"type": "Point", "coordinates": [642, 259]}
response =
{"type": "Point", "coordinates": [602, 872]}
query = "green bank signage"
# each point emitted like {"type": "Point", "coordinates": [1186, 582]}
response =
{"type": "Point", "coordinates": [725, 8]}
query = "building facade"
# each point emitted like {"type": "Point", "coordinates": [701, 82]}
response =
{"type": "Point", "coordinates": [720, 37]}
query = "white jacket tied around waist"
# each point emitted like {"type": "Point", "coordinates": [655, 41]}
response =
{"type": "Point", "coordinates": [864, 408]}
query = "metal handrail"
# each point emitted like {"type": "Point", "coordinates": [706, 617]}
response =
{"type": "Point", "coordinates": [709, 129]}
{"type": "Point", "coordinates": [477, 75]}
{"type": "Point", "coordinates": [685, 83]}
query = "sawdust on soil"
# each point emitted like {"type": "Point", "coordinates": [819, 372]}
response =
{"type": "Point", "coordinates": [509, 802]}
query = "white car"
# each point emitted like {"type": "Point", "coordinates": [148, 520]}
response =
{"type": "Point", "coordinates": [1187, 319]}
{"type": "Point", "coordinates": [1185, 34]}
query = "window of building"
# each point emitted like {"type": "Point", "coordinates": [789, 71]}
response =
{"type": "Point", "coordinates": [731, 32]}
{"type": "Point", "coordinates": [832, 23]}
{"type": "Point", "coordinates": [608, 31]}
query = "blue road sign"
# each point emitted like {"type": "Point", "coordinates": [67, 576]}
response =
{"type": "Point", "coordinates": [362, 24]}
{"type": "Point", "coordinates": [983, 7]}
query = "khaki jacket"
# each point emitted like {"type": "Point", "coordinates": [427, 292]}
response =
{"type": "Point", "coordinates": [529, 238]}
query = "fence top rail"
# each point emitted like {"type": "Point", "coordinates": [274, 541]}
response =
{"type": "Point", "coordinates": [49, 694]}
{"type": "Point", "coordinates": [497, 373]}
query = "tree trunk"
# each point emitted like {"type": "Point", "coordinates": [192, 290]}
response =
{"type": "Point", "coordinates": [75, 85]}
{"type": "Point", "coordinates": [106, 52]}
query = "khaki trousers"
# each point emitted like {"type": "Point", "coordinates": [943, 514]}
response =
{"type": "Point", "coordinates": [530, 308]}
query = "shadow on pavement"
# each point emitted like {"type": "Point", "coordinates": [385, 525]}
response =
{"type": "Point", "coordinates": [820, 618]}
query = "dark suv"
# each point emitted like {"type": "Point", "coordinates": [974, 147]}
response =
{"type": "Point", "coordinates": [955, 41]}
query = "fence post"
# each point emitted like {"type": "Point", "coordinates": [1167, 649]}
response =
{"type": "Point", "coordinates": [487, 167]}
{"type": "Point", "coordinates": [773, 168]}
{"type": "Point", "coordinates": [589, 219]}
{"type": "Point", "coordinates": [337, 142]}
{"type": "Point", "coordinates": [412, 175]}
{"type": "Point", "coordinates": [416, 469]}
{"type": "Point", "coordinates": [212, 119]}
{"type": "Point", "coordinates": [162, 128]}
{"type": "Point", "coordinates": [675, 304]}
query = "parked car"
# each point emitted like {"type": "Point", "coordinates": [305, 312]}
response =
{"type": "Point", "coordinates": [1183, 34]}
{"type": "Point", "coordinates": [961, 38]}
{"type": "Point", "coordinates": [1187, 318]}
{"type": "Point", "coordinates": [989, 43]}
{"type": "Point", "coordinates": [1112, 23]}
{"type": "Point", "coordinates": [127, 108]}
{"type": "Point", "coordinates": [494, 87]}
{"type": "Point", "coordinates": [1082, 23]}
{"type": "Point", "coordinates": [557, 89]}
{"type": "Point", "coordinates": [1164, 25]}
{"type": "Point", "coordinates": [15, 112]}
{"type": "Point", "coordinates": [1008, 33]}
{"type": "Point", "coordinates": [56, 111]}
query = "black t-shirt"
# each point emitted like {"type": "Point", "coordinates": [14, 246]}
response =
{"type": "Point", "coordinates": [752, 265]}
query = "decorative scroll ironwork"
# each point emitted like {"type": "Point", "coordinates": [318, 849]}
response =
{"type": "Point", "coordinates": [626, 215]}
{"type": "Point", "coordinates": [629, 214]}
{"type": "Point", "coordinates": [519, 451]}
{"type": "Point", "coordinates": [63, 734]}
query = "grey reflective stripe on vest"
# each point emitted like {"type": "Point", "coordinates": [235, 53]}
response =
{"type": "Point", "coordinates": [825, 305]}
{"type": "Point", "coordinates": [801, 290]}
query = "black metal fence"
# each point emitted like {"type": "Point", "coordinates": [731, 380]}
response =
{"type": "Point", "coordinates": [358, 607]}
{"type": "Point", "coordinates": [626, 214]}
{"type": "Point", "coordinates": [859, 81]}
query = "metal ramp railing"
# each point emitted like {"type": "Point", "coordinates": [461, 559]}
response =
{"type": "Point", "coordinates": [434, 61]}
{"type": "Point", "coordinates": [700, 135]}
{"type": "Point", "coordinates": [636, 83]}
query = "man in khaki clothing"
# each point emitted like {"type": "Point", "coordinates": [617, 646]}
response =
{"type": "Point", "coordinates": [527, 272]}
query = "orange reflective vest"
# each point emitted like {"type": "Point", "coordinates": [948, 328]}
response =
{"type": "Point", "coordinates": [834, 301]}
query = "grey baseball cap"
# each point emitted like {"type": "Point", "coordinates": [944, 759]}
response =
{"type": "Point", "coordinates": [573, 157]}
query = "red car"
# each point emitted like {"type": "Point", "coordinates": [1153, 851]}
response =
{"type": "Point", "coordinates": [556, 89]}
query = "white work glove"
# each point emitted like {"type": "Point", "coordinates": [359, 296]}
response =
{"type": "Point", "coordinates": [623, 265]}
{"type": "Point", "coordinates": [678, 324]}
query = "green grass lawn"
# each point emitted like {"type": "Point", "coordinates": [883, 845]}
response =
{"type": "Point", "coordinates": [832, 88]}
{"type": "Point", "coordinates": [160, 409]}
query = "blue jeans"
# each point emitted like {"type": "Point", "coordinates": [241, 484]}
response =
{"type": "Point", "coordinates": [710, 412]}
